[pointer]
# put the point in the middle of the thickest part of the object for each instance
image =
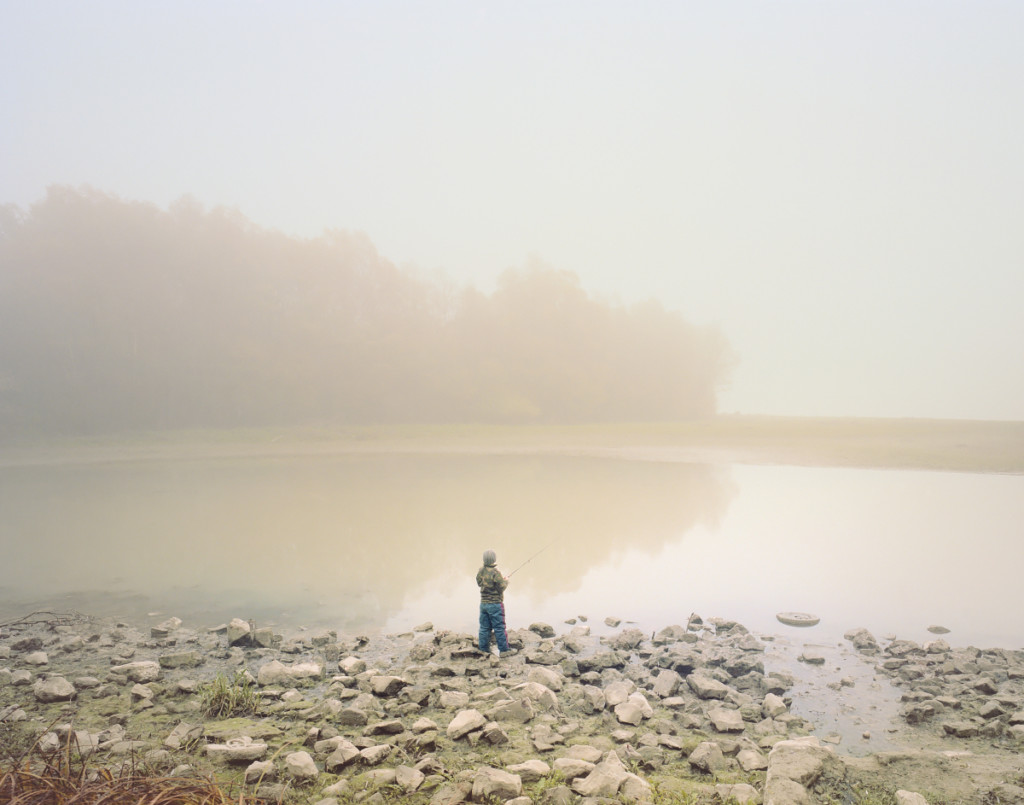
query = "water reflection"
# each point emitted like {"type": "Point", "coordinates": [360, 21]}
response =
{"type": "Point", "coordinates": [389, 541]}
{"type": "Point", "coordinates": [348, 541]}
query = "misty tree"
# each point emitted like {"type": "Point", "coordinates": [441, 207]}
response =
{"type": "Point", "coordinates": [117, 315]}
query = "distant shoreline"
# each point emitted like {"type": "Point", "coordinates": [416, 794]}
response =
{"type": "Point", "coordinates": [913, 444]}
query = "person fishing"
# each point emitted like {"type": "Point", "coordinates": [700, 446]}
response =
{"type": "Point", "coordinates": [492, 606]}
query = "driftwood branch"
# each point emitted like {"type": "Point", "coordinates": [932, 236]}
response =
{"type": "Point", "coordinates": [47, 616]}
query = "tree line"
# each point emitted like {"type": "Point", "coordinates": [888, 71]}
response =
{"type": "Point", "coordinates": [122, 316]}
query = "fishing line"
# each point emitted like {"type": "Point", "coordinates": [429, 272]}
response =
{"type": "Point", "coordinates": [524, 564]}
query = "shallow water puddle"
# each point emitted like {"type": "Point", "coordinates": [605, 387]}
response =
{"type": "Point", "coordinates": [844, 697]}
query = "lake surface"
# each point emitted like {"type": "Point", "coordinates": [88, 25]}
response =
{"type": "Point", "coordinates": [360, 542]}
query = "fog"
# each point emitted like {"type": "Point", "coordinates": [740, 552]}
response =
{"type": "Point", "coordinates": [118, 315]}
{"type": "Point", "coordinates": [835, 186]}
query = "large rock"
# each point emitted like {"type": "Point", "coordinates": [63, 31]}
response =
{"type": "Point", "coordinates": [743, 793]}
{"type": "Point", "coordinates": [862, 640]}
{"type": "Point", "coordinates": [604, 780]}
{"type": "Point", "coordinates": [54, 689]}
{"type": "Point", "coordinates": [634, 710]}
{"type": "Point", "coordinates": [386, 685]}
{"type": "Point", "coordinates": [276, 672]}
{"type": "Point", "coordinates": [618, 691]}
{"type": "Point", "coordinates": [494, 734]}
{"type": "Point", "coordinates": [635, 789]}
{"type": "Point", "coordinates": [259, 771]}
{"type": "Point", "coordinates": [545, 676]}
{"type": "Point", "coordinates": [143, 671]}
{"type": "Point", "coordinates": [569, 768]}
{"type": "Point", "coordinates": [238, 632]}
{"type": "Point", "coordinates": [531, 770]}
{"type": "Point", "coordinates": [408, 779]}
{"type": "Point", "coordinates": [683, 659]}
{"type": "Point", "coordinates": [751, 760]}
{"type": "Point", "coordinates": [451, 699]}
{"type": "Point", "coordinates": [27, 644]}
{"type": "Point", "coordinates": [666, 683]}
{"type": "Point", "coordinates": [786, 792]}
{"type": "Point", "coordinates": [724, 720]}
{"type": "Point", "coordinates": [602, 660]}
{"type": "Point", "coordinates": [183, 735]}
{"type": "Point", "coordinates": [541, 695]}
{"type": "Point", "coordinates": [164, 629]}
{"type": "Point", "coordinates": [372, 755]}
{"type": "Point", "coordinates": [773, 706]}
{"type": "Point", "coordinates": [706, 687]}
{"type": "Point", "coordinates": [586, 752]}
{"type": "Point", "coordinates": [628, 639]}
{"type": "Point", "coordinates": [352, 666]}
{"type": "Point", "coordinates": [489, 782]}
{"type": "Point", "coordinates": [452, 793]}
{"type": "Point", "coordinates": [708, 758]}
{"type": "Point", "coordinates": [465, 721]}
{"type": "Point", "coordinates": [390, 727]}
{"type": "Point", "coordinates": [345, 753]}
{"type": "Point", "coordinates": [301, 766]}
{"type": "Point", "coordinates": [593, 699]}
{"type": "Point", "coordinates": [793, 767]}
{"type": "Point", "coordinates": [181, 659]}
{"type": "Point", "coordinates": [519, 710]}
{"type": "Point", "coordinates": [629, 712]}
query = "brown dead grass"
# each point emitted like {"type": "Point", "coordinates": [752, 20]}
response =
{"type": "Point", "coordinates": [61, 779]}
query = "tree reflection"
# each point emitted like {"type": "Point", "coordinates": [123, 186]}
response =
{"type": "Point", "coordinates": [353, 537]}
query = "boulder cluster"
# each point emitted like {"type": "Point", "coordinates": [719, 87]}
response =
{"type": "Point", "coordinates": [571, 718]}
{"type": "Point", "coordinates": [965, 692]}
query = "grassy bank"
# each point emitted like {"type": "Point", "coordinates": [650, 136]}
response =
{"type": "Point", "coordinates": [953, 445]}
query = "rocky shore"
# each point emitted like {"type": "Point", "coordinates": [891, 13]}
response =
{"type": "Point", "coordinates": [687, 714]}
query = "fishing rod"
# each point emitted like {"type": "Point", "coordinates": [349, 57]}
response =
{"type": "Point", "coordinates": [524, 564]}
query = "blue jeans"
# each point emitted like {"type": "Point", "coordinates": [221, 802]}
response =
{"type": "Point", "coordinates": [492, 619]}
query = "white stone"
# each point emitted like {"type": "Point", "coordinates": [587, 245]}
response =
{"type": "Point", "coordinates": [773, 706]}
{"type": "Point", "coordinates": [144, 671]}
{"type": "Point", "coordinates": [531, 770]}
{"type": "Point", "coordinates": [541, 695]}
{"type": "Point", "coordinates": [408, 778]}
{"type": "Point", "coordinates": [489, 782]}
{"type": "Point", "coordinates": [238, 630]}
{"type": "Point", "coordinates": [465, 722]}
{"type": "Point", "coordinates": [345, 752]}
{"type": "Point", "coordinates": [707, 688]}
{"type": "Point", "coordinates": [618, 691]}
{"type": "Point", "coordinates": [301, 766]}
{"type": "Point", "coordinates": [545, 676]}
{"type": "Point", "coordinates": [54, 689]}
{"type": "Point", "coordinates": [743, 793]}
{"type": "Point", "coordinates": [604, 780]}
{"type": "Point", "coordinates": [725, 720]}
{"type": "Point", "coordinates": [708, 758]}
{"type": "Point", "coordinates": [570, 768]}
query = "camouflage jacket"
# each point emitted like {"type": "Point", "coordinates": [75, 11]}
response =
{"type": "Point", "coordinates": [491, 583]}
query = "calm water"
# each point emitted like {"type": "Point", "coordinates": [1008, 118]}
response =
{"type": "Point", "coordinates": [367, 542]}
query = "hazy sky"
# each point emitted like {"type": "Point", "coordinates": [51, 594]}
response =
{"type": "Point", "coordinates": [838, 186]}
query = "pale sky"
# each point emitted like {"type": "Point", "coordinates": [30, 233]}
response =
{"type": "Point", "coordinates": [839, 186]}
